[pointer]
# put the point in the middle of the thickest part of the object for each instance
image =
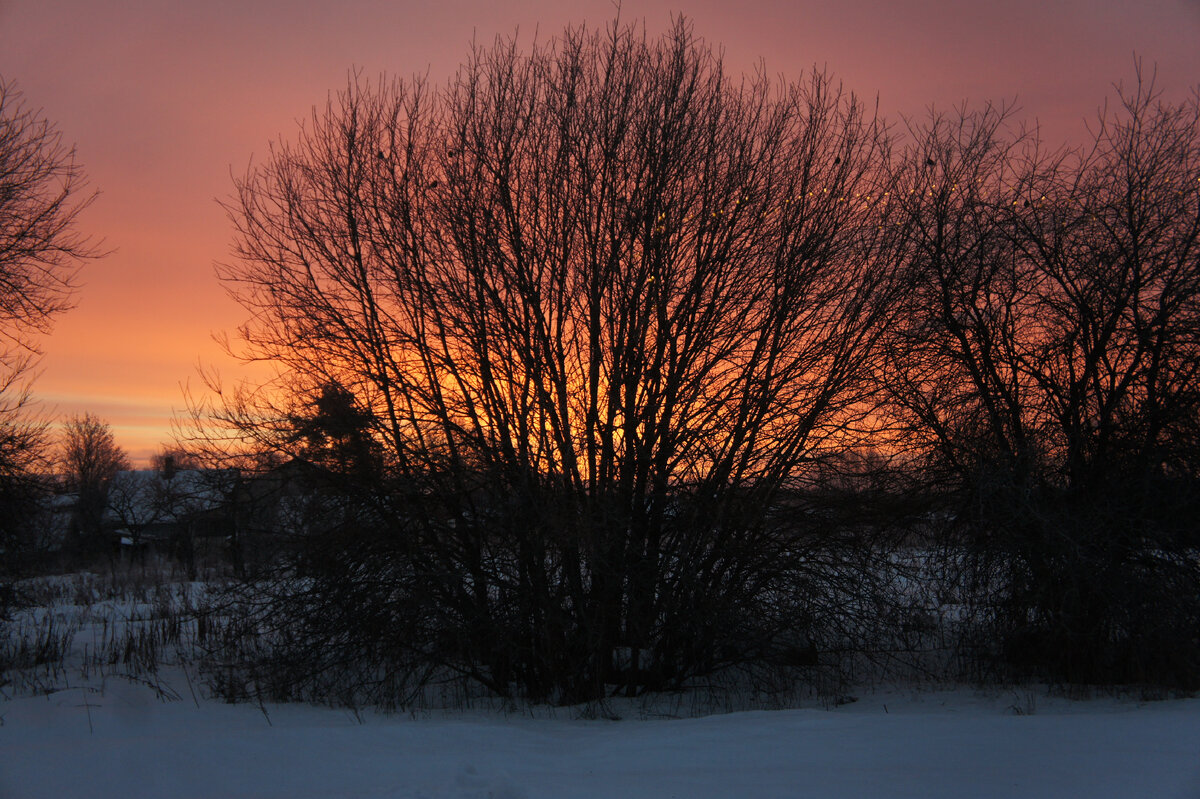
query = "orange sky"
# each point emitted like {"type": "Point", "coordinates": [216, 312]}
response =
{"type": "Point", "coordinates": [164, 99]}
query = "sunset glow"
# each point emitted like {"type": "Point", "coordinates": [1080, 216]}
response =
{"type": "Point", "coordinates": [166, 100]}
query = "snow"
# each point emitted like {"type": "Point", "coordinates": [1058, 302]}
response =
{"type": "Point", "coordinates": [124, 741]}
{"type": "Point", "coordinates": [94, 731]}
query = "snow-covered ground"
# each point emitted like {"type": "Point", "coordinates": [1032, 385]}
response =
{"type": "Point", "coordinates": [86, 728]}
{"type": "Point", "coordinates": [126, 742]}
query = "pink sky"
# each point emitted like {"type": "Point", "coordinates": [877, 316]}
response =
{"type": "Point", "coordinates": [165, 99]}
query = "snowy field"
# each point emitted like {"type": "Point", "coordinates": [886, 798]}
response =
{"type": "Point", "coordinates": [126, 742]}
{"type": "Point", "coordinates": [122, 716]}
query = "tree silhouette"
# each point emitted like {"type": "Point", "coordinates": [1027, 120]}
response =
{"type": "Point", "coordinates": [42, 192]}
{"type": "Point", "coordinates": [599, 308]}
{"type": "Point", "coordinates": [1044, 374]}
{"type": "Point", "coordinates": [91, 458]}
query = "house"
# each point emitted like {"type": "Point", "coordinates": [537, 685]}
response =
{"type": "Point", "coordinates": [182, 513]}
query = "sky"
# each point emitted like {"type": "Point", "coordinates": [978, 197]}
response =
{"type": "Point", "coordinates": [167, 100]}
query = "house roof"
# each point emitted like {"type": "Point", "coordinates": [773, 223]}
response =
{"type": "Point", "coordinates": [143, 497]}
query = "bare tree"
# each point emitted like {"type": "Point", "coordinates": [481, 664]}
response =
{"type": "Point", "coordinates": [91, 458]}
{"type": "Point", "coordinates": [1116, 371]}
{"type": "Point", "coordinates": [1047, 373]}
{"type": "Point", "coordinates": [599, 307]}
{"type": "Point", "coordinates": [42, 192]}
